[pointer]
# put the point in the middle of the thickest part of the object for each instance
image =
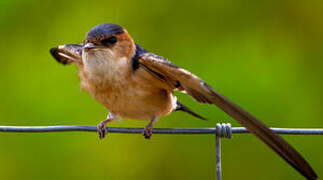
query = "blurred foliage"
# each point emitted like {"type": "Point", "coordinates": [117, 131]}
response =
{"type": "Point", "coordinates": [264, 55]}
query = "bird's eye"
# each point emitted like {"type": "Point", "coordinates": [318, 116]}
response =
{"type": "Point", "coordinates": [109, 41]}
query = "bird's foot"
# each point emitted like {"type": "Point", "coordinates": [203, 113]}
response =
{"type": "Point", "coordinates": [148, 131]}
{"type": "Point", "coordinates": [102, 128]}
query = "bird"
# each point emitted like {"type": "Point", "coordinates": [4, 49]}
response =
{"type": "Point", "coordinates": [134, 83]}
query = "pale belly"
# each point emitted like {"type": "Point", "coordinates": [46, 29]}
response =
{"type": "Point", "coordinates": [124, 92]}
{"type": "Point", "coordinates": [129, 99]}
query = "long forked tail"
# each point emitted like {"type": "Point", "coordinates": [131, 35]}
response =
{"type": "Point", "coordinates": [182, 107]}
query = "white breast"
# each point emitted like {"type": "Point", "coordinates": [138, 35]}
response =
{"type": "Point", "coordinates": [103, 66]}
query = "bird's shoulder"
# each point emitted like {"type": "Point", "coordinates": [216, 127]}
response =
{"type": "Point", "coordinates": [177, 78]}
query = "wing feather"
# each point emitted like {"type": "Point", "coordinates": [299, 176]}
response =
{"type": "Point", "coordinates": [203, 93]}
{"type": "Point", "coordinates": [68, 53]}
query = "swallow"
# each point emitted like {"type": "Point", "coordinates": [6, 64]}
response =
{"type": "Point", "coordinates": [136, 84]}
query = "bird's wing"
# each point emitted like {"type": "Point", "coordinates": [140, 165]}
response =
{"type": "Point", "coordinates": [68, 53]}
{"type": "Point", "coordinates": [180, 78]}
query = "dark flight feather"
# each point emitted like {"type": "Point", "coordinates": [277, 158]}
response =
{"type": "Point", "coordinates": [182, 107]}
{"type": "Point", "coordinates": [203, 93]}
{"type": "Point", "coordinates": [68, 53]}
{"type": "Point", "coordinates": [180, 79]}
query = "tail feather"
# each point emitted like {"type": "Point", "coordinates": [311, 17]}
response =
{"type": "Point", "coordinates": [182, 107]}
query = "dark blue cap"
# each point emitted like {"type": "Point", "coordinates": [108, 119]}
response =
{"type": "Point", "coordinates": [104, 30]}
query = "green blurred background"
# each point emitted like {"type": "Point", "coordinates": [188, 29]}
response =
{"type": "Point", "coordinates": [264, 55]}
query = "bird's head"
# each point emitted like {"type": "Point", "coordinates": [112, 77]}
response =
{"type": "Point", "coordinates": [108, 42]}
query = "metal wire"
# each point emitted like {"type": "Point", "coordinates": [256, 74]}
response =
{"type": "Point", "coordinates": [235, 130]}
{"type": "Point", "coordinates": [218, 166]}
{"type": "Point", "coordinates": [221, 131]}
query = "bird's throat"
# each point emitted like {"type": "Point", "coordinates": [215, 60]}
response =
{"type": "Point", "coordinates": [104, 68]}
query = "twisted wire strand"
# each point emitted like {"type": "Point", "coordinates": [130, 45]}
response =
{"type": "Point", "coordinates": [223, 130]}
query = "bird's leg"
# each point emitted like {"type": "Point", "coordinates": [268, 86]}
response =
{"type": "Point", "coordinates": [148, 130]}
{"type": "Point", "coordinates": [102, 126]}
